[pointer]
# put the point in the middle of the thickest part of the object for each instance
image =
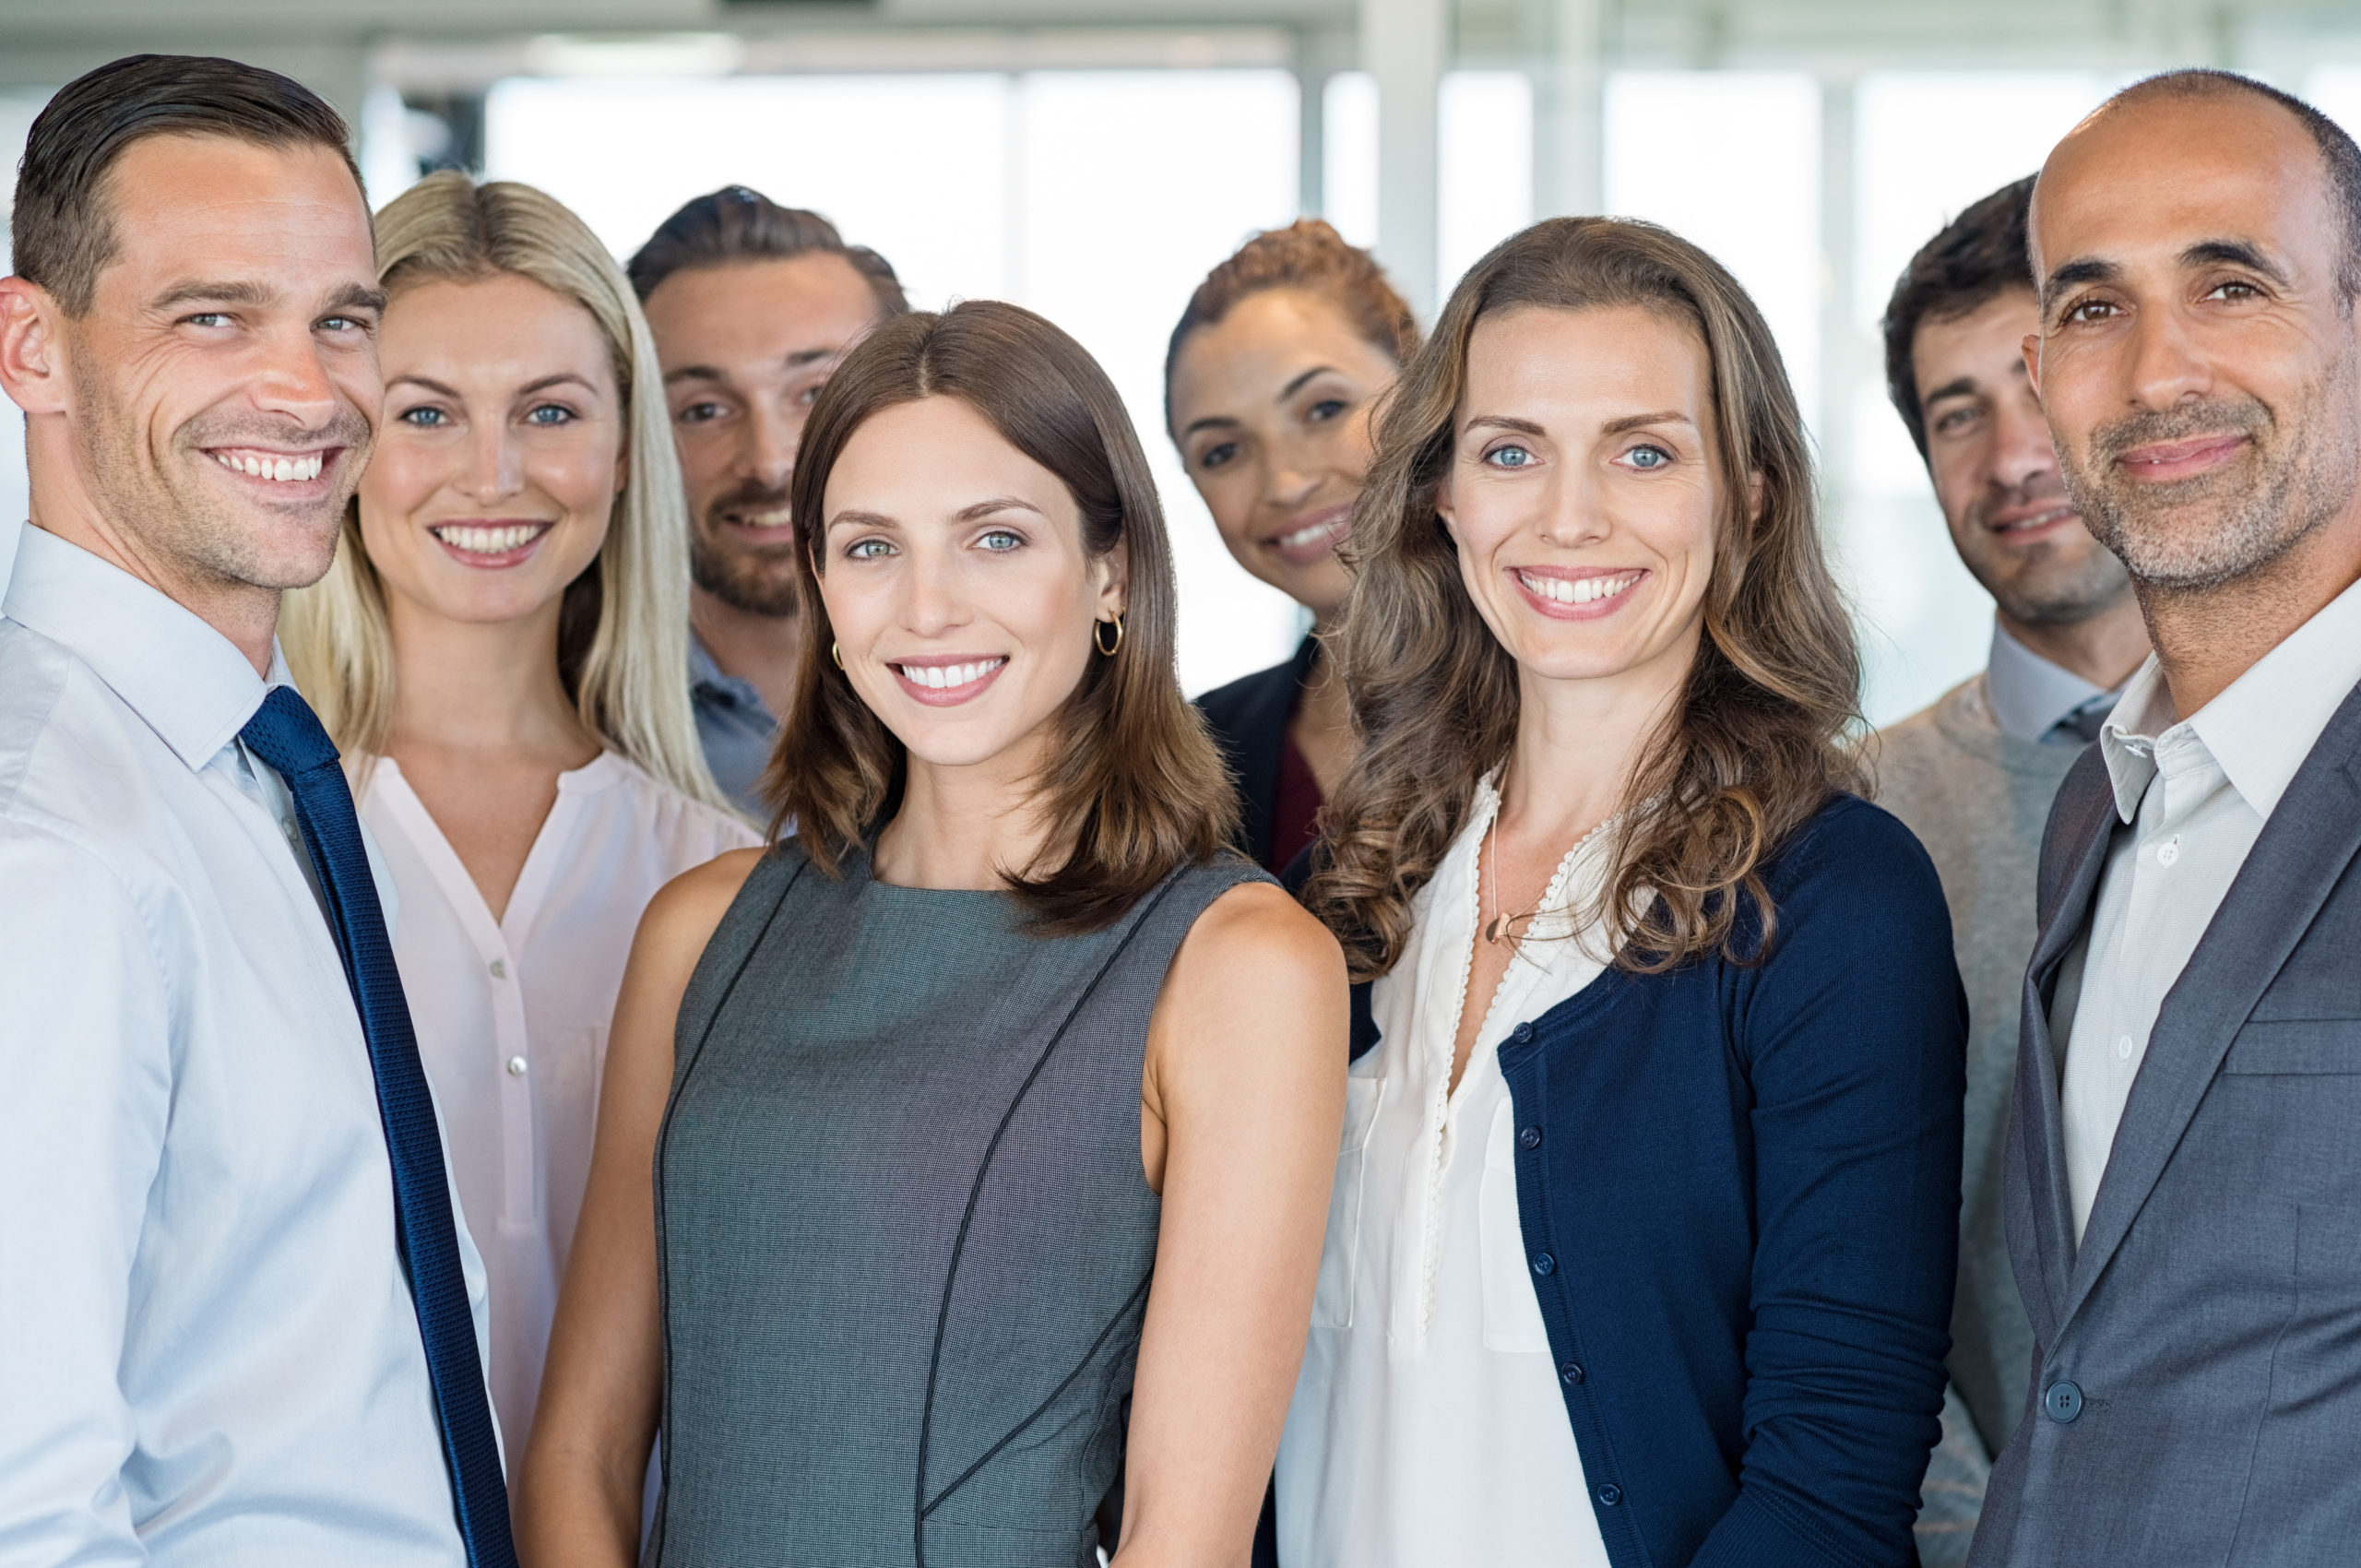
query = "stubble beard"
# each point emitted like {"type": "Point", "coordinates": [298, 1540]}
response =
{"type": "Point", "coordinates": [2299, 472]}
{"type": "Point", "coordinates": [756, 579]}
{"type": "Point", "coordinates": [150, 496]}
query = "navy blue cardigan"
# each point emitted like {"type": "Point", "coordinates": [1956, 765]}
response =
{"type": "Point", "coordinates": [1739, 1188]}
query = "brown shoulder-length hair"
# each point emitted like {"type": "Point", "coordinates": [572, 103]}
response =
{"type": "Point", "coordinates": [1133, 789]}
{"type": "Point", "coordinates": [1754, 748]}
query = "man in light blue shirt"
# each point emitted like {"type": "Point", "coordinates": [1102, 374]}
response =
{"type": "Point", "coordinates": [752, 306]}
{"type": "Point", "coordinates": [1974, 774]}
{"type": "Point", "coordinates": [237, 1322]}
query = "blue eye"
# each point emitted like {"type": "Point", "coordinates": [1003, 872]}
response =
{"type": "Point", "coordinates": [868, 549]}
{"type": "Point", "coordinates": [425, 418]}
{"type": "Point", "coordinates": [1648, 457]}
{"type": "Point", "coordinates": [550, 415]}
{"type": "Point", "coordinates": [1001, 540]}
{"type": "Point", "coordinates": [1510, 457]}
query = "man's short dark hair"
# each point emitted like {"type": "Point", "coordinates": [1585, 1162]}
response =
{"type": "Point", "coordinates": [63, 231]}
{"type": "Point", "coordinates": [736, 224]}
{"type": "Point", "coordinates": [1978, 257]}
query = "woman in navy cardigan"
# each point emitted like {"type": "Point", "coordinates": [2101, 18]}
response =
{"type": "Point", "coordinates": [1642, 1244]}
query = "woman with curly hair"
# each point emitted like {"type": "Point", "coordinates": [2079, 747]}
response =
{"type": "Point", "coordinates": [1642, 1242]}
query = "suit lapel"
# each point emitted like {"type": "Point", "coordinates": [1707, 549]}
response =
{"type": "Point", "coordinates": [2085, 818]}
{"type": "Point", "coordinates": [2297, 860]}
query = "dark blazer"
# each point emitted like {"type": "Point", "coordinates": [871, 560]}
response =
{"type": "Point", "coordinates": [2197, 1370]}
{"type": "Point", "coordinates": [1739, 1186]}
{"type": "Point", "coordinates": [1249, 721]}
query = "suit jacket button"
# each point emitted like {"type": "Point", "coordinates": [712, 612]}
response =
{"type": "Point", "coordinates": [2062, 1400]}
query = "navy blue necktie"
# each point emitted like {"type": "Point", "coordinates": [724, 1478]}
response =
{"type": "Point", "coordinates": [286, 734]}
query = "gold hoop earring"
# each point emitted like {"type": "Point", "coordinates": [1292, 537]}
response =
{"type": "Point", "coordinates": [837, 654]}
{"type": "Point", "coordinates": [1102, 645]}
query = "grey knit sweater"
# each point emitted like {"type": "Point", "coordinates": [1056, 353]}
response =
{"type": "Point", "coordinates": [1978, 799]}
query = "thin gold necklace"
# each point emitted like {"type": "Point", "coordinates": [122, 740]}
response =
{"type": "Point", "coordinates": [1504, 926]}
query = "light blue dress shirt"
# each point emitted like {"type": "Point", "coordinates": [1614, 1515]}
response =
{"type": "Point", "coordinates": [2035, 700]}
{"type": "Point", "coordinates": [208, 1352]}
{"type": "Point", "coordinates": [736, 729]}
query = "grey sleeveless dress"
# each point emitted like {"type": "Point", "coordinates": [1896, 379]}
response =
{"type": "Point", "coordinates": [903, 1236]}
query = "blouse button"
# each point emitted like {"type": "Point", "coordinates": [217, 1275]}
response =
{"type": "Point", "coordinates": [2168, 852]}
{"type": "Point", "coordinates": [1543, 1262]}
{"type": "Point", "coordinates": [499, 969]}
{"type": "Point", "coordinates": [515, 1066]}
{"type": "Point", "coordinates": [1530, 1137]}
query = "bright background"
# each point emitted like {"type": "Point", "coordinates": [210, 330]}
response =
{"type": "Point", "coordinates": [1100, 197]}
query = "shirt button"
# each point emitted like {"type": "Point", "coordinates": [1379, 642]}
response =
{"type": "Point", "coordinates": [2168, 852]}
{"type": "Point", "coordinates": [1530, 1137]}
{"type": "Point", "coordinates": [515, 1066]}
{"type": "Point", "coordinates": [1572, 1371]}
{"type": "Point", "coordinates": [1610, 1494]}
{"type": "Point", "coordinates": [1543, 1262]}
{"type": "Point", "coordinates": [2123, 1049]}
{"type": "Point", "coordinates": [499, 969]}
{"type": "Point", "coordinates": [2062, 1400]}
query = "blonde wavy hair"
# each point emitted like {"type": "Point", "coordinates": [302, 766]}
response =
{"type": "Point", "coordinates": [1754, 749]}
{"type": "Point", "coordinates": [623, 630]}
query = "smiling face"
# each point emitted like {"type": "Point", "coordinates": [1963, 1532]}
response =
{"type": "Point", "coordinates": [501, 456]}
{"type": "Point", "coordinates": [1995, 469]}
{"type": "Point", "coordinates": [745, 349]}
{"type": "Point", "coordinates": [1271, 406]}
{"type": "Point", "coordinates": [1582, 492]}
{"type": "Point", "coordinates": [225, 378]}
{"type": "Point", "coordinates": [956, 580]}
{"type": "Point", "coordinates": [2196, 355]}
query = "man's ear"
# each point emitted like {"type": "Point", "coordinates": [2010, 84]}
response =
{"type": "Point", "coordinates": [2031, 348]}
{"type": "Point", "coordinates": [32, 349]}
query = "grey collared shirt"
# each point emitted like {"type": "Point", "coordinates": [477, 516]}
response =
{"type": "Point", "coordinates": [2032, 699]}
{"type": "Point", "coordinates": [736, 729]}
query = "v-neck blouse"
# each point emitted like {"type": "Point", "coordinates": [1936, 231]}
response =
{"type": "Point", "coordinates": [512, 1015]}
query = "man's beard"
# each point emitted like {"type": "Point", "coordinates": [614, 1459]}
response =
{"type": "Point", "coordinates": [2045, 591]}
{"type": "Point", "coordinates": [206, 534]}
{"type": "Point", "coordinates": [2201, 533]}
{"type": "Point", "coordinates": [760, 579]}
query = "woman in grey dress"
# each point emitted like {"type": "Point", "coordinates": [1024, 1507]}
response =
{"type": "Point", "coordinates": [972, 1146]}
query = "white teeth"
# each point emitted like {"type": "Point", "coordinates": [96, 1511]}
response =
{"type": "Point", "coordinates": [482, 538]}
{"type": "Point", "coordinates": [280, 471]}
{"type": "Point", "coordinates": [772, 520]}
{"type": "Point", "coordinates": [948, 677]}
{"type": "Point", "coordinates": [1578, 591]}
{"type": "Point", "coordinates": [1312, 535]}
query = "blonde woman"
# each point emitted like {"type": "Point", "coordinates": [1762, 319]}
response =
{"type": "Point", "coordinates": [500, 652]}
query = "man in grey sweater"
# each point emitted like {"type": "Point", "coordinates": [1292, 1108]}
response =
{"type": "Point", "coordinates": [1973, 774]}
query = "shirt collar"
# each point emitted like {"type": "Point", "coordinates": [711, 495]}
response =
{"type": "Point", "coordinates": [705, 675]}
{"type": "Point", "coordinates": [2261, 726]}
{"type": "Point", "coordinates": [185, 680]}
{"type": "Point", "coordinates": [2030, 695]}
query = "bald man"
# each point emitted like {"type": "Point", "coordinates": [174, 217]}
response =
{"type": "Point", "coordinates": [2184, 1182]}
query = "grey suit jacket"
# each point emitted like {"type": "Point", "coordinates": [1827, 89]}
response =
{"type": "Point", "coordinates": [2197, 1363]}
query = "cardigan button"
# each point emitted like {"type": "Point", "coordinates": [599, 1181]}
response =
{"type": "Point", "coordinates": [1572, 1371]}
{"type": "Point", "coordinates": [1610, 1494]}
{"type": "Point", "coordinates": [1530, 1137]}
{"type": "Point", "coordinates": [1543, 1262]}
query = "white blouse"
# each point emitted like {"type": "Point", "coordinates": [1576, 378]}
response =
{"type": "Point", "coordinates": [1428, 1426]}
{"type": "Point", "coordinates": [512, 1016]}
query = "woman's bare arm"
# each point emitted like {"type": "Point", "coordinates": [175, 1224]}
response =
{"type": "Point", "coordinates": [577, 1494]}
{"type": "Point", "coordinates": [1242, 1105]}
